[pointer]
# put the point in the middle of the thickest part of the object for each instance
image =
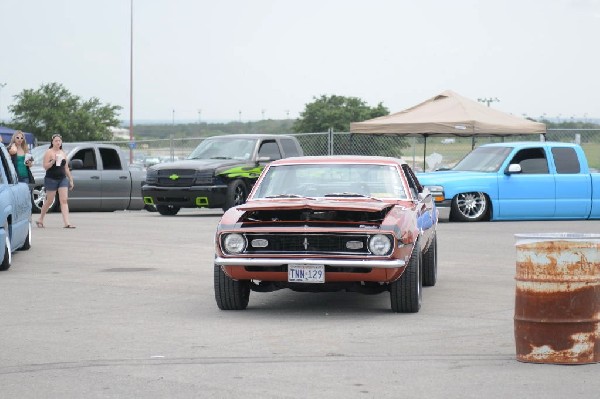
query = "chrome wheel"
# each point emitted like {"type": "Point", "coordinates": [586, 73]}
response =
{"type": "Point", "coordinates": [7, 260]}
{"type": "Point", "coordinates": [470, 207]}
{"type": "Point", "coordinates": [38, 197]}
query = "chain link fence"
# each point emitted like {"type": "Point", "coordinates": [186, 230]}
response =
{"type": "Point", "coordinates": [422, 154]}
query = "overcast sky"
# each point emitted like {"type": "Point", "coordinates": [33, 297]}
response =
{"type": "Point", "coordinates": [214, 59]}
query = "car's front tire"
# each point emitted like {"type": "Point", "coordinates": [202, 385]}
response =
{"type": "Point", "coordinates": [406, 293]}
{"type": "Point", "coordinates": [237, 192]}
{"type": "Point", "coordinates": [470, 207]}
{"type": "Point", "coordinates": [27, 243]}
{"type": "Point", "coordinates": [230, 294]}
{"type": "Point", "coordinates": [167, 210]}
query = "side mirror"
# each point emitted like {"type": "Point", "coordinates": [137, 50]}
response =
{"type": "Point", "coordinates": [513, 168]}
{"type": "Point", "coordinates": [75, 164]}
{"type": "Point", "coordinates": [424, 194]}
{"type": "Point", "coordinates": [264, 159]}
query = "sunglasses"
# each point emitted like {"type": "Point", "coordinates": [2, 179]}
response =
{"type": "Point", "coordinates": [56, 135]}
{"type": "Point", "coordinates": [18, 138]}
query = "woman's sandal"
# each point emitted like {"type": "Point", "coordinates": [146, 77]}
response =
{"type": "Point", "coordinates": [69, 226]}
{"type": "Point", "coordinates": [39, 224]}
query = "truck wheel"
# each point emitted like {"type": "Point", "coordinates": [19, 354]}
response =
{"type": "Point", "coordinates": [27, 243]}
{"type": "Point", "coordinates": [470, 207]}
{"type": "Point", "coordinates": [430, 263]}
{"type": "Point", "coordinates": [237, 192]}
{"type": "Point", "coordinates": [230, 294]}
{"type": "Point", "coordinates": [38, 196]}
{"type": "Point", "coordinates": [7, 260]}
{"type": "Point", "coordinates": [167, 210]}
{"type": "Point", "coordinates": [406, 293]}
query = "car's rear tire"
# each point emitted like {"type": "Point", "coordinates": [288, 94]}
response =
{"type": "Point", "coordinates": [38, 197]}
{"type": "Point", "coordinates": [470, 207]}
{"type": "Point", "coordinates": [237, 192]}
{"type": "Point", "coordinates": [430, 263]}
{"type": "Point", "coordinates": [27, 243]}
{"type": "Point", "coordinates": [406, 293]}
{"type": "Point", "coordinates": [167, 210]}
{"type": "Point", "coordinates": [7, 260]}
{"type": "Point", "coordinates": [230, 294]}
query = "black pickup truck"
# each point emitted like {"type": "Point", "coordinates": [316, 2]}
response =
{"type": "Point", "coordinates": [219, 173]}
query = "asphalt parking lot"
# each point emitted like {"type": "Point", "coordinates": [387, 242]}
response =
{"type": "Point", "coordinates": [123, 307]}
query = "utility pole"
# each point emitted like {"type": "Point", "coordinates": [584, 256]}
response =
{"type": "Point", "coordinates": [131, 142]}
{"type": "Point", "coordinates": [488, 100]}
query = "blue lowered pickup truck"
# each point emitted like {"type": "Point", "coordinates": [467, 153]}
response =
{"type": "Point", "coordinates": [517, 181]}
{"type": "Point", "coordinates": [15, 211]}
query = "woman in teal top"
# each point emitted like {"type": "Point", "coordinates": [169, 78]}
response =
{"type": "Point", "coordinates": [19, 152]}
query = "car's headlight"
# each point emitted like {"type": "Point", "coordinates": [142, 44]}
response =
{"type": "Point", "coordinates": [380, 244]}
{"type": "Point", "coordinates": [234, 243]}
{"type": "Point", "coordinates": [151, 175]}
{"type": "Point", "coordinates": [203, 177]}
{"type": "Point", "coordinates": [437, 192]}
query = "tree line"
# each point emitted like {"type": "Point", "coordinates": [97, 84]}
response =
{"type": "Point", "coordinates": [54, 109]}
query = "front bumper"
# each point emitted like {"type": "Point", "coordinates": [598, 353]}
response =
{"type": "Point", "coordinates": [186, 197]}
{"type": "Point", "coordinates": [342, 263]}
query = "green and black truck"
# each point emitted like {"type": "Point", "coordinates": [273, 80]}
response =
{"type": "Point", "coordinates": [219, 173]}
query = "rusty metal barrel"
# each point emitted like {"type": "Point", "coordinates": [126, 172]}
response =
{"type": "Point", "coordinates": [557, 299]}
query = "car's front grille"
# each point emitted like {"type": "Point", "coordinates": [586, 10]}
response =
{"type": "Point", "coordinates": [308, 243]}
{"type": "Point", "coordinates": [183, 177]}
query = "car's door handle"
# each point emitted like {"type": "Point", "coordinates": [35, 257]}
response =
{"type": "Point", "coordinates": [95, 177]}
{"type": "Point", "coordinates": [123, 177]}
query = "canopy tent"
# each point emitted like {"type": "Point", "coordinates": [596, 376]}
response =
{"type": "Point", "coordinates": [6, 133]}
{"type": "Point", "coordinates": [448, 114]}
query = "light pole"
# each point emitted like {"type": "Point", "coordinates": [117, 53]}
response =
{"type": "Point", "coordinates": [2, 86]}
{"type": "Point", "coordinates": [488, 100]}
{"type": "Point", "coordinates": [131, 86]}
{"type": "Point", "coordinates": [173, 117]}
{"type": "Point", "coordinates": [240, 115]}
{"type": "Point", "coordinates": [199, 116]}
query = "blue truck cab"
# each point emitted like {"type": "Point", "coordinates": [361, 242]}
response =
{"type": "Point", "coordinates": [517, 181]}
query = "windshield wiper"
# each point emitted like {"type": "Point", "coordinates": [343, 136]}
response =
{"type": "Point", "coordinates": [221, 158]}
{"type": "Point", "coordinates": [344, 194]}
{"type": "Point", "coordinates": [286, 196]}
{"type": "Point", "coordinates": [347, 194]}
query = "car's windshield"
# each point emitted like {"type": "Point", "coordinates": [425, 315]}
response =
{"type": "Point", "coordinates": [331, 180]}
{"type": "Point", "coordinates": [225, 148]}
{"type": "Point", "coordinates": [483, 159]}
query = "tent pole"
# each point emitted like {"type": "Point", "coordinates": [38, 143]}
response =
{"type": "Point", "coordinates": [424, 152]}
{"type": "Point", "coordinates": [414, 148]}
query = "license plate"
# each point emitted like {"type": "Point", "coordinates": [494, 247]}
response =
{"type": "Point", "coordinates": [306, 273]}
